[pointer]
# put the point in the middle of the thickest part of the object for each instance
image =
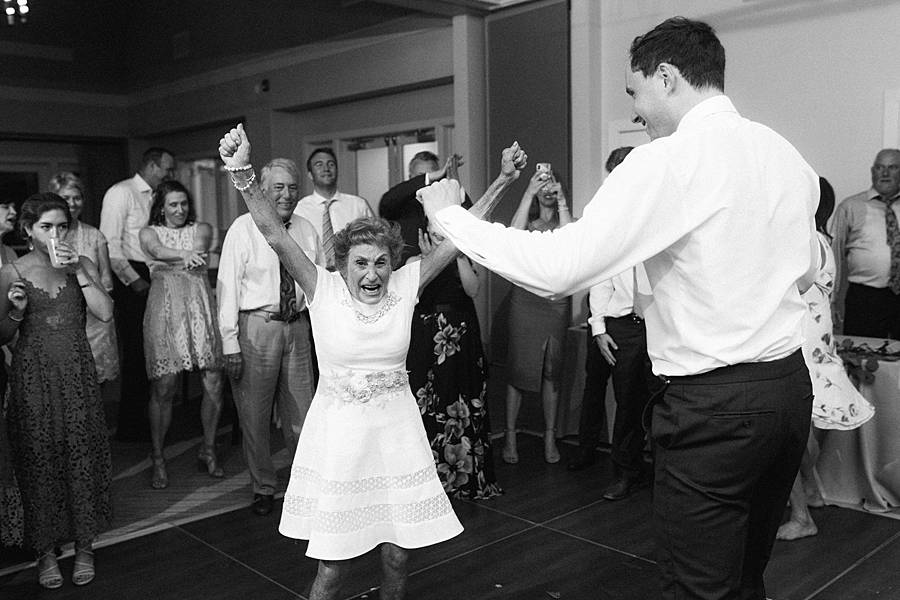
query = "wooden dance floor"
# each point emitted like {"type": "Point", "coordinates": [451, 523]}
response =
{"type": "Point", "coordinates": [550, 536]}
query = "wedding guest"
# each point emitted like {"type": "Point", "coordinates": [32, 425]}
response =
{"type": "Point", "coordinates": [181, 331]}
{"type": "Point", "coordinates": [837, 404]}
{"type": "Point", "coordinates": [57, 431]}
{"type": "Point", "coordinates": [11, 525]}
{"type": "Point", "coordinates": [537, 326]}
{"type": "Point", "coordinates": [363, 445]}
{"type": "Point", "coordinates": [90, 242]}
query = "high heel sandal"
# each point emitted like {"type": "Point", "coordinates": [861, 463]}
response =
{"type": "Point", "coordinates": [551, 452]}
{"type": "Point", "coordinates": [83, 571]}
{"type": "Point", "coordinates": [160, 479]}
{"type": "Point", "coordinates": [49, 576]}
{"type": "Point", "coordinates": [509, 453]}
{"type": "Point", "coordinates": [206, 462]}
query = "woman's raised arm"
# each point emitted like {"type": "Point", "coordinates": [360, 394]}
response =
{"type": "Point", "coordinates": [234, 148]}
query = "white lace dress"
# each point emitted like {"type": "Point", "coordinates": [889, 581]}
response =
{"type": "Point", "coordinates": [364, 472]}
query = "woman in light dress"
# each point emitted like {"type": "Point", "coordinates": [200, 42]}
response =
{"type": "Point", "coordinates": [90, 242]}
{"type": "Point", "coordinates": [363, 475]}
{"type": "Point", "coordinates": [181, 331]}
{"type": "Point", "coordinates": [837, 404]}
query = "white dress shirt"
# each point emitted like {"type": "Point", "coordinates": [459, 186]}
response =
{"type": "Point", "coordinates": [346, 208]}
{"type": "Point", "coordinates": [126, 209]}
{"type": "Point", "coordinates": [249, 275]}
{"type": "Point", "coordinates": [860, 243]}
{"type": "Point", "coordinates": [720, 213]}
{"type": "Point", "coordinates": [615, 298]}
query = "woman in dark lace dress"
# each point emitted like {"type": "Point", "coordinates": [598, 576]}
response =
{"type": "Point", "coordinates": [447, 374]}
{"type": "Point", "coordinates": [57, 434]}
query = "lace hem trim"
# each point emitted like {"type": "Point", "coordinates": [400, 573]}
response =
{"type": "Point", "coordinates": [361, 486]}
{"type": "Point", "coordinates": [358, 519]}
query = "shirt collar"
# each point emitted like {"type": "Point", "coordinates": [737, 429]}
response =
{"type": "Point", "coordinates": [873, 195]}
{"type": "Point", "coordinates": [706, 108]}
{"type": "Point", "coordinates": [320, 199]}
{"type": "Point", "coordinates": [141, 184]}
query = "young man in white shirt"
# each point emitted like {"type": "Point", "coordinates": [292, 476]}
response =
{"type": "Point", "coordinates": [126, 209]}
{"type": "Point", "coordinates": [720, 211]}
{"type": "Point", "coordinates": [266, 343]}
{"type": "Point", "coordinates": [327, 208]}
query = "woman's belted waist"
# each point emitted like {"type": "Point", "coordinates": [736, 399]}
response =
{"type": "Point", "coordinates": [361, 387]}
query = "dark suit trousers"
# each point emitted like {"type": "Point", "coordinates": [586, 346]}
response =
{"type": "Point", "coordinates": [632, 380]}
{"type": "Point", "coordinates": [871, 312]}
{"type": "Point", "coordinates": [727, 447]}
{"type": "Point", "coordinates": [133, 424]}
{"type": "Point", "coordinates": [592, 423]}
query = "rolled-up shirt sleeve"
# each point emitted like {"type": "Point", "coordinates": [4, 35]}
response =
{"type": "Point", "coordinates": [228, 291]}
{"type": "Point", "coordinates": [638, 212]}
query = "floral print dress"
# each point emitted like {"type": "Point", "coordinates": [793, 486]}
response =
{"type": "Point", "coordinates": [447, 374]}
{"type": "Point", "coordinates": [837, 404]}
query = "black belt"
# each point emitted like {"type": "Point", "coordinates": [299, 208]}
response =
{"type": "Point", "coordinates": [631, 317]}
{"type": "Point", "coordinates": [269, 315]}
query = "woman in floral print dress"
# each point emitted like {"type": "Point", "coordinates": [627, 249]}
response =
{"type": "Point", "coordinates": [447, 373]}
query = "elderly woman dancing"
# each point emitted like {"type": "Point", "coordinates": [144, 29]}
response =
{"type": "Point", "coordinates": [363, 475]}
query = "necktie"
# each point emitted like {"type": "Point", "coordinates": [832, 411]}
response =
{"type": "Point", "coordinates": [893, 240]}
{"type": "Point", "coordinates": [328, 235]}
{"type": "Point", "coordinates": [287, 293]}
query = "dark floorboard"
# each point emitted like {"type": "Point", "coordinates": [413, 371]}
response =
{"type": "Point", "coordinates": [550, 536]}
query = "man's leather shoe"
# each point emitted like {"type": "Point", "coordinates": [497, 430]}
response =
{"type": "Point", "coordinates": [621, 488]}
{"type": "Point", "coordinates": [585, 459]}
{"type": "Point", "coordinates": [262, 504]}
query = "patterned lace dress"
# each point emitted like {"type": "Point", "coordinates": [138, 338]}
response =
{"type": "Point", "coordinates": [57, 432]}
{"type": "Point", "coordinates": [88, 242]}
{"type": "Point", "coordinates": [837, 404]}
{"type": "Point", "coordinates": [181, 330]}
{"type": "Point", "coordinates": [363, 473]}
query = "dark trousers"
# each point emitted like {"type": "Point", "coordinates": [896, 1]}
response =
{"type": "Point", "coordinates": [633, 379]}
{"type": "Point", "coordinates": [727, 446]}
{"type": "Point", "coordinates": [133, 424]}
{"type": "Point", "coordinates": [592, 424]}
{"type": "Point", "coordinates": [871, 312]}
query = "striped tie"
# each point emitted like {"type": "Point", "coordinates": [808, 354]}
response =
{"type": "Point", "coordinates": [328, 235]}
{"type": "Point", "coordinates": [893, 241]}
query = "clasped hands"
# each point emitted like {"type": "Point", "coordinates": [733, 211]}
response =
{"type": "Point", "coordinates": [448, 192]}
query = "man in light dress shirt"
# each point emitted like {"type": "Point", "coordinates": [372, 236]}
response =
{"type": "Point", "coordinates": [719, 209]}
{"type": "Point", "coordinates": [322, 170]}
{"type": "Point", "coordinates": [863, 301]}
{"type": "Point", "coordinates": [125, 211]}
{"type": "Point", "coordinates": [267, 354]}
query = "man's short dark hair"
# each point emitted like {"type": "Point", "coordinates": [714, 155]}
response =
{"type": "Point", "coordinates": [616, 157]}
{"type": "Point", "coordinates": [423, 156]}
{"type": "Point", "coordinates": [323, 149]}
{"type": "Point", "coordinates": [691, 46]}
{"type": "Point", "coordinates": [154, 155]}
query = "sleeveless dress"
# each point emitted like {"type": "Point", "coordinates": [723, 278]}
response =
{"type": "Point", "coordinates": [181, 329]}
{"type": "Point", "coordinates": [364, 472]}
{"type": "Point", "coordinates": [447, 375]}
{"type": "Point", "coordinates": [101, 336]}
{"type": "Point", "coordinates": [837, 404]}
{"type": "Point", "coordinates": [57, 432]}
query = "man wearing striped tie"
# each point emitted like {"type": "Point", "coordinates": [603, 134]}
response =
{"type": "Point", "coordinates": [326, 208]}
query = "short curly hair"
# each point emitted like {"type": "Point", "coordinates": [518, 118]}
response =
{"type": "Point", "coordinates": [374, 231]}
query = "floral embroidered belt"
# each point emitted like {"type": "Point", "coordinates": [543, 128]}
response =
{"type": "Point", "coordinates": [359, 387]}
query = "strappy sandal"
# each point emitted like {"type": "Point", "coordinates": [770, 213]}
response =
{"type": "Point", "coordinates": [206, 461]}
{"type": "Point", "coordinates": [160, 479]}
{"type": "Point", "coordinates": [49, 576]}
{"type": "Point", "coordinates": [83, 571]}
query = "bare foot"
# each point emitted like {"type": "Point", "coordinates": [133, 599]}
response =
{"type": "Point", "coordinates": [551, 452]}
{"type": "Point", "coordinates": [795, 530]}
{"type": "Point", "coordinates": [509, 453]}
{"type": "Point", "coordinates": [813, 496]}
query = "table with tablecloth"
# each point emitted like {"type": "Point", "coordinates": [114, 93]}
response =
{"type": "Point", "coordinates": [861, 468]}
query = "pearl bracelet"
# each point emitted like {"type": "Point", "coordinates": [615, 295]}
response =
{"type": "Point", "coordinates": [236, 169]}
{"type": "Point", "coordinates": [247, 185]}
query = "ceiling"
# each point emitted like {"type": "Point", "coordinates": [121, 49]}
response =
{"type": "Point", "coordinates": [121, 46]}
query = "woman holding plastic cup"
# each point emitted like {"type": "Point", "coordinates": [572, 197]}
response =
{"type": "Point", "coordinates": [57, 432]}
